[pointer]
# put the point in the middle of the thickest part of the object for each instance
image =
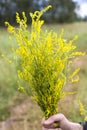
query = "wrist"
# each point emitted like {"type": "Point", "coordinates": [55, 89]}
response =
{"type": "Point", "coordinates": [76, 126]}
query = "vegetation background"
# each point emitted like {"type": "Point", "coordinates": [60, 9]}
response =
{"type": "Point", "coordinates": [62, 10]}
{"type": "Point", "coordinates": [18, 112]}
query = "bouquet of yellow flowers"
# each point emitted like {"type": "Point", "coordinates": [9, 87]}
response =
{"type": "Point", "coordinates": [45, 59]}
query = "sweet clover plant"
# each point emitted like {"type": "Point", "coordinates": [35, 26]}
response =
{"type": "Point", "coordinates": [45, 61]}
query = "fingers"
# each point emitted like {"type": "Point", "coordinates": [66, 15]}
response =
{"type": "Point", "coordinates": [53, 121]}
{"type": "Point", "coordinates": [64, 123]}
{"type": "Point", "coordinates": [46, 124]}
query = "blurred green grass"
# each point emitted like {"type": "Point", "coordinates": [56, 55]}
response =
{"type": "Point", "coordinates": [8, 74]}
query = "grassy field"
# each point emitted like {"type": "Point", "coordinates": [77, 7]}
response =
{"type": "Point", "coordinates": [13, 103]}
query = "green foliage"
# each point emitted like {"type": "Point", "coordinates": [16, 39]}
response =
{"type": "Point", "coordinates": [63, 10]}
{"type": "Point", "coordinates": [45, 62]}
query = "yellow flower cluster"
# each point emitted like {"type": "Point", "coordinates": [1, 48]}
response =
{"type": "Point", "coordinates": [44, 61]}
{"type": "Point", "coordinates": [82, 110]}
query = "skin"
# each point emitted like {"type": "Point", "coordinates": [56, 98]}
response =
{"type": "Point", "coordinates": [62, 121]}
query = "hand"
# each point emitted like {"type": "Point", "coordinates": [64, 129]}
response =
{"type": "Point", "coordinates": [62, 121]}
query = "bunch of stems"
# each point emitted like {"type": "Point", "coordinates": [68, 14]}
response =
{"type": "Point", "coordinates": [45, 60]}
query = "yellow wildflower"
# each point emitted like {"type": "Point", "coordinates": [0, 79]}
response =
{"type": "Point", "coordinates": [43, 59]}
